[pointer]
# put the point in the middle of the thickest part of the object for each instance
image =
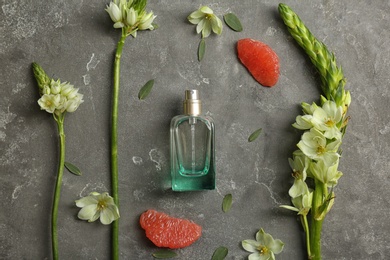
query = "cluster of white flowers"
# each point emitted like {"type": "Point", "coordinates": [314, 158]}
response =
{"type": "Point", "coordinates": [318, 156]}
{"type": "Point", "coordinates": [60, 97]}
{"type": "Point", "coordinates": [130, 15]}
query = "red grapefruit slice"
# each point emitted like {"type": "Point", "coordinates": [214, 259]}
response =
{"type": "Point", "coordinates": [167, 231]}
{"type": "Point", "coordinates": [261, 61]}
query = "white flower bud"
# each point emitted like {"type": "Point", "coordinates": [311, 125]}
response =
{"type": "Point", "coordinates": [72, 104]}
{"type": "Point", "coordinates": [131, 17]}
{"type": "Point", "coordinates": [146, 21]}
{"type": "Point", "coordinates": [66, 89]}
{"type": "Point", "coordinates": [114, 12]}
{"type": "Point", "coordinates": [55, 87]}
{"type": "Point", "coordinates": [72, 94]}
{"type": "Point", "coordinates": [46, 90]}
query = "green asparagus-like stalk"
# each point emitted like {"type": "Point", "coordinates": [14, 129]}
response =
{"type": "Point", "coordinates": [332, 77]}
{"type": "Point", "coordinates": [41, 77]}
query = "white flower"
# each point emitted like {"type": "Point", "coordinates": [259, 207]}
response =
{"type": "Point", "coordinates": [315, 146]}
{"type": "Point", "coordinates": [72, 93]}
{"type": "Point", "coordinates": [49, 102]}
{"type": "Point", "coordinates": [326, 119]}
{"type": "Point", "coordinates": [264, 247]}
{"type": "Point", "coordinates": [72, 104]}
{"type": "Point", "coordinates": [131, 17]}
{"type": "Point", "coordinates": [146, 21]}
{"type": "Point", "coordinates": [309, 109]}
{"type": "Point", "coordinates": [303, 122]}
{"type": "Point", "coordinates": [302, 204]}
{"type": "Point", "coordinates": [66, 89]}
{"type": "Point", "coordinates": [98, 205]}
{"type": "Point", "coordinates": [46, 89]}
{"type": "Point", "coordinates": [114, 11]}
{"type": "Point", "coordinates": [55, 87]}
{"type": "Point", "coordinates": [206, 21]}
{"type": "Point", "coordinates": [326, 174]}
{"type": "Point", "coordinates": [299, 166]}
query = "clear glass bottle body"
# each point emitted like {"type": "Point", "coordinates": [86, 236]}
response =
{"type": "Point", "coordinates": [192, 153]}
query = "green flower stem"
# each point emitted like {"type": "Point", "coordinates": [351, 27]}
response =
{"type": "Point", "coordinates": [114, 143]}
{"type": "Point", "coordinates": [333, 82]}
{"type": "Point", "coordinates": [319, 195]}
{"type": "Point", "coordinates": [60, 125]}
{"type": "Point", "coordinates": [305, 225]}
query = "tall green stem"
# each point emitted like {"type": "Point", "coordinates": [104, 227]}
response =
{"type": "Point", "coordinates": [114, 144]}
{"type": "Point", "coordinates": [60, 125]}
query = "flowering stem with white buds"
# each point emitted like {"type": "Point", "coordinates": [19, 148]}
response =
{"type": "Point", "coordinates": [324, 125]}
{"type": "Point", "coordinates": [114, 142]}
{"type": "Point", "coordinates": [56, 98]}
{"type": "Point", "coordinates": [130, 16]}
{"type": "Point", "coordinates": [60, 126]}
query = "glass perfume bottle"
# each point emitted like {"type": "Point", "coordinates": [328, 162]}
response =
{"type": "Point", "coordinates": [192, 147]}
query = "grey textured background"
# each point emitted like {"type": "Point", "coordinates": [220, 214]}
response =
{"type": "Point", "coordinates": [74, 40]}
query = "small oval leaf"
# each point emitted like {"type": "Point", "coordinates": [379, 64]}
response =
{"type": "Point", "coordinates": [72, 168]}
{"type": "Point", "coordinates": [227, 202]}
{"type": "Point", "coordinates": [145, 90]}
{"type": "Point", "coordinates": [254, 135]}
{"type": "Point", "coordinates": [233, 22]}
{"type": "Point", "coordinates": [201, 49]}
{"type": "Point", "coordinates": [220, 253]}
{"type": "Point", "coordinates": [164, 253]}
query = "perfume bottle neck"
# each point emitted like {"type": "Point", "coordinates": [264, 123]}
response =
{"type": "Point", "coordinates": [192, 104]}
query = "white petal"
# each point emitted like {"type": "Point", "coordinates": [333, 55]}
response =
{"type": "Point", "coordinates": [277, 246]}
{"type": "Point", "coordinates": [94, 217]}
{"type": "Point", "coordinates": [118, 25]}
{"type": "Point", "coordinates": [250, 245]}
{"type": "Point", "coordinates": [106, 217]}
{"type": "Point", "coordinates": [195, 17]}
{"type": "Point", "coordinates": [206, 29]}
{"type": "Point", "coordinates": [87, 212]}
{"type": "Point", "coordinates": [206, 10]}
{"type": "Point", "coordinates": [216, 25]}
{"type": "Point", "coordinates": [86, 201]}
{"type": "Point", "coordinates": [254, 256]}
{"type": "Point", "coordinates": [289, 207]}
{"type": "Point", "coordinates": [200, 25]}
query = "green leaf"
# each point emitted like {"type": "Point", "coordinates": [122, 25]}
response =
{"type": "Point", "coordinates": [233, 22]}
{"type": "Point", "coordinates": [227, 202]}
{"type": "Point", "coordinates": [145, 90]}
{"type": "Point", "coordinates": [201, 49]}
{"type": "Point", "coordinates": [72, 168]}
{"type": "Point", "coordinates": [254, 135]}
{"type": "Point", "coordinates": [164, 253]}
{"type": "Point", "coordinates": [220, 253]}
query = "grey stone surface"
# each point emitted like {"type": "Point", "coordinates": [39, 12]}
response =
{"type": "Point", "coordinates": [74, 40]}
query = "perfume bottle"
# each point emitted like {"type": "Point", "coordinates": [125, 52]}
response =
{"type": "Point", "coordinates": [192, 147]}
